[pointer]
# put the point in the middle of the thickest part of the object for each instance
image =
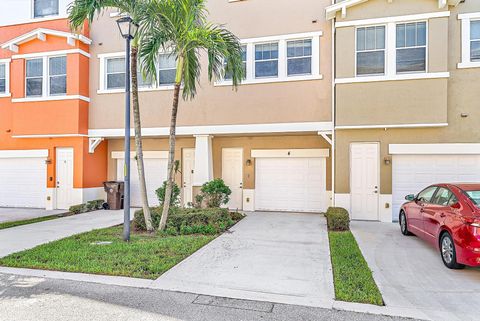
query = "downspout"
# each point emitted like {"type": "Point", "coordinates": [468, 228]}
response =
{"type": "Point", "coordinates": [333, 109]}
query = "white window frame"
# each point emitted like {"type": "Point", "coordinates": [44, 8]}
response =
{"type": "Point", "coordinates": [105, 84]}
{"type": "Point", "coordinates": [45, 17]}
{"type": "Point", "coordinates": [159, 70]}
{"type": "Point", "coordinates": [466, 19]}
{"type": "Point", "coordinates": [282, 59]}
{"type": "Point", "coordinates": [103, 79]}
{"type": "Point", "coordinates": [299, 57]}
{"type": "Point", "coordinates": [384, 51]}
{"type": "Point", "coordinates": [48, 75]}
{"type": "Point", "coordinates": [411, 47]}
{"type": "Point", "coordinates": [45, 79]}
{"type": "Point", "coordinates": [6, 62]}
{"type": "Point", "coordinates": [267, 60]}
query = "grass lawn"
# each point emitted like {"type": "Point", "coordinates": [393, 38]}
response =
{"type": "Point", "coordinates": [29, 221]}
{"type": "Point", "coordinates": [351, 275]}
{"type": "Point", "coordinates": [146, 256]}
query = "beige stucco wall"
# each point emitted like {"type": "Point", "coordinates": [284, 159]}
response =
{"type": "Point", "coordinates": [462, 96]}
{"type": "Point", "coordinates": [256, 103]}
{"type": "Point", "coordinates": [218, 143]}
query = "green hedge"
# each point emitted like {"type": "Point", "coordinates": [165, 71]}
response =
{"type": "Point", "coordinates": [186, 221]}
{"type": "Point", "coordinates": [87, 207]}
{"type": "Point", "coordinates": [338, 219]}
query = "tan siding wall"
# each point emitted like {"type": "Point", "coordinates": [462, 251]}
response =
{"type": "Point", "coordinates": [345, 52]}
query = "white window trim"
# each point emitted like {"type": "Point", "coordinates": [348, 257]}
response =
{"type": "Point", "coordinates": [103, 81]}
{"type": "Point", "coordinates": [466, 61]}
{"type": "Point", "coordinates": [385, 67]}
{"type": "Point", "coordinates": [49, 76]}
{"type": "Point", "coordinates": [279, 64]}
{"type": "Point", "coordinates": [426, 47]}
{"type": "Point", "coordinates": [7, 93]}
{"type": "Point", "coordinates": [282, 59]}
{"type": "Point", "coordinates": [298, 57]}
{"type": "Point", "coordinates": [45, 82]}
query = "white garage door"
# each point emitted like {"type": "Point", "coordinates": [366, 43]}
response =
{"type": "Point", "coordinates": [412, 173]}
{"type": "Point", "coordinates": [23, 182]}
{"type": "Point", "coordinates": [290, 184]}
{"type": "Point", "coordinates": [155, 175]}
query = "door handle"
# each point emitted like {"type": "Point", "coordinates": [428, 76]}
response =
{"type": "Point", "coordinates": [422, 210]}
{"type": "Point", "coordinates": [442, 215]}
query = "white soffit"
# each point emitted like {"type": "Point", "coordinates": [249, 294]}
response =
{"type": "Point", "coordinates": [434, 149]}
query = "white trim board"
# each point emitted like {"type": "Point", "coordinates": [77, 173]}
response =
{"type": "Point", "coordinates": [51, 53]}
{"type": "Point", "coordinates": [49, 136]}
{"type": "Point", "coordinates": [146, 154]}
{"type": "Point", "coordinates": [365, 22]}
{"type": "Point", "coordinates": [396, 77]}
{"type": "Point", "coordinates": [50, 98]}
{"type": "Point", "coordinates": [435, 149]}
{"type": "Point", "coordinates": [290, 153]}
{"type": "Point", "coordinates": [392, 126]}
{"type": "Point", "coordinates": [31, 153]}
{"type": "Point", "coordinates": [221, 129]}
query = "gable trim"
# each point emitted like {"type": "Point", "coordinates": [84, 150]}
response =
{"type": "Point", "coordinates": [364, 22]}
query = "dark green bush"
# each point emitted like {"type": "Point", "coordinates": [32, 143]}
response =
{"type": "Point", "coordinates": [175, 200]}
{"type": "Point", "coordinates": [215, 193]}
{"type": "Point", "coordinates": [190, 220]}
{"type": "Point", "coordinates": [338, 219]}
{"type": "Point", "coordinates": [77, 209]}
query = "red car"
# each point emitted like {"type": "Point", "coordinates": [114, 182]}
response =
{"type": "Point", "coordinates": [448, 217]}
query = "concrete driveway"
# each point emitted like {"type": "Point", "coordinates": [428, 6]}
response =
{"type": "Point", "coordinates": [9, 214]}
{"type": "Point", "coordinates": [275, 257]}
{"type": "Point", "coordinates": [410, 274]}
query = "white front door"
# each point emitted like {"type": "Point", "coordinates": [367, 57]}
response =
{"type": "Point", "coordinates": [290, 184]}
{"type": "Point", "coordinates": [364, 180]}
{"type": "Point", "coordinates": [64, 168]}
{"type": "Point", "coordinates": [188, 167]}
{"type": "Point", "coordinates": [232, 174]}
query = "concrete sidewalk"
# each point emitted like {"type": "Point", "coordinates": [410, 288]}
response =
{"type": "Point", "coordinates": [275, 257]}
{"type": "Point", "coordinates": [24, 237]}
{"type": "Point", "coordinates": [9, 214]}
{"type": "Point", "coordinates": [411, 274]}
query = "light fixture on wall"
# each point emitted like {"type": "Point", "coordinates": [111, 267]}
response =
{"type": "Point", "coordinates": [387, 160]}
{"type": "Point", "coordinates": [248, 162]}
{"type": "Point", "coordinates": [48, 161]}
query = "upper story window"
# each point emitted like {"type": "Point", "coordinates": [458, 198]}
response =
{"type": "Point", "coordinates": [167, 69]}
{"type": "Point", "coordinates": [266, 60]}
{"type": "Point", "coordinates": [475, 40]}
{"type": "Point", "coordinates": [371, 50]}
{"type": "Point", "coordinates": [43, 73]}
{"type": "Point", "coordinates": [45, 8]}
{"type": "Point", "coordinates": [3, 78]}
{"type": "Point", "coordinates": [299, 57]}
{"type": "Point", "coordinates": [411, 39]}
{"type": "Point", "coordinates": [115, 73]}
{"type": "Point", "coordinates": [228, 75]}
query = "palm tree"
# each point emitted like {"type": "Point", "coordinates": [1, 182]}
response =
{"type": "Point", "coordinates": [181, 28]}
{"type": "Point", "coordinates": [82, 10]}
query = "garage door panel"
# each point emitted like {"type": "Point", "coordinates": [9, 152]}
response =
{"type": "Point", "coordinates": [23, 182]}
{"type": "Point", "coordinates": [290, 184]}
{"type": "Point", "coordinates": [412, 173]}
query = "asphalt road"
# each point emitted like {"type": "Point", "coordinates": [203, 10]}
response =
{"type": "Point", "coordinates": [38, 299]}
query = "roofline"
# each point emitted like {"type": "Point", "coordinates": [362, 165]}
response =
{"type": "Point", "coordinates": [41, 33]}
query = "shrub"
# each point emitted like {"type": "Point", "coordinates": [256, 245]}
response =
{"type": "Point", "coordinates": [175, 200]}
{"type": "Point", "coordinates": [87, 207]}
{"type": "Point", "coordinates": [338, 219]}
{"type": "Point", "coordinates": [216, 193]}
{"type": "Point", "coordinates": [190, 220]}
{"type": "Point", "coordinates": [77, 209]}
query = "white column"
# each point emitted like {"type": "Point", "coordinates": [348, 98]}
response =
{"type": "Point", "coordinates": [203, 160]}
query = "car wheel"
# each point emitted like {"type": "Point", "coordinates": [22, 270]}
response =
{"type": "Point", "coordinates": [403, 224]}
{"type": "Point", "coordinates": [447, 250]}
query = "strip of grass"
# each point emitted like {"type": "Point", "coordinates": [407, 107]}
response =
{"type": "Point", "coordinates": [29, 221]}
{"type": "Point", "coordinates": [351, 275]}
{"type": "Point", "coordinates": [145, 256]}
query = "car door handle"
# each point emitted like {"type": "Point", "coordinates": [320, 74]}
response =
{"type": "Point", "coordinates": [442, 215]}
{"type": "Point", "coordinates": [422, 210]}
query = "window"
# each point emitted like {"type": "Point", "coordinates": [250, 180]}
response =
{"type": "Point", "coordinates": [167, 69]}
{"type": "Point", "coordinates": [115, 77]}
{"type": "Point", "coordinates": [34, 77]}
{"type": "Point", "coordinates": [299, 57]}
{"type": "Point", "coordinates": [411, 47]}
{"type": "Point", "coordinates": [44, 8]}
{"type": "Point", "coordinates": [371, 50]}
{"type": "Point", "coordinates": [228, 76]}
{"type": "Point", "coordinates": [426, 194]}
{"type": "Point", "coordinates": [3, 78]}
{"type": "Point", "coordinates": [57, 73]}
{"type": "Point", "coordinates": [474, 196]}
{"type": "Point", "coordinates": [475, 40]}
{"type": "Point", "coordinates": [266, 60]}
{"type": "Point", "coordinates": [442, 196]}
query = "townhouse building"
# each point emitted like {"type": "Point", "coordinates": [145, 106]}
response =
{"type": "Point", "coordinates": [407, 100]}
{"type": "Point", "coordinates": [61, 119]}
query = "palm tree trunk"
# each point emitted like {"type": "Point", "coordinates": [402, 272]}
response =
{"type": "Point", "coordinates": [172, 140]}
{"type": "Point", "coordinates": [138, 140]}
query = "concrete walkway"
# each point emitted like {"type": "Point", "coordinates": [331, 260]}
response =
{"type": "Point", "coordinates": [24, 237]}
{"type": "Point", "coordinates": [410, 274]}
{"type": "Point", "coordinates": [275, 257]}
{"type": "Point", "coordinates": [9, 214]}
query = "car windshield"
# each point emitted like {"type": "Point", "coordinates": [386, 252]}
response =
{"type": "Point", "coordinates": [474, 196]}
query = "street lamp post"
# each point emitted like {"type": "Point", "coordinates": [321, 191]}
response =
{"type": "Point", "coordinates": [128, 29]}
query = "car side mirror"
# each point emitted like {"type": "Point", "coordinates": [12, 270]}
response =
{"type": "Point", "coordinates": [410, 197]}
{"type": "Point", "coordinates": [456, 205]}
